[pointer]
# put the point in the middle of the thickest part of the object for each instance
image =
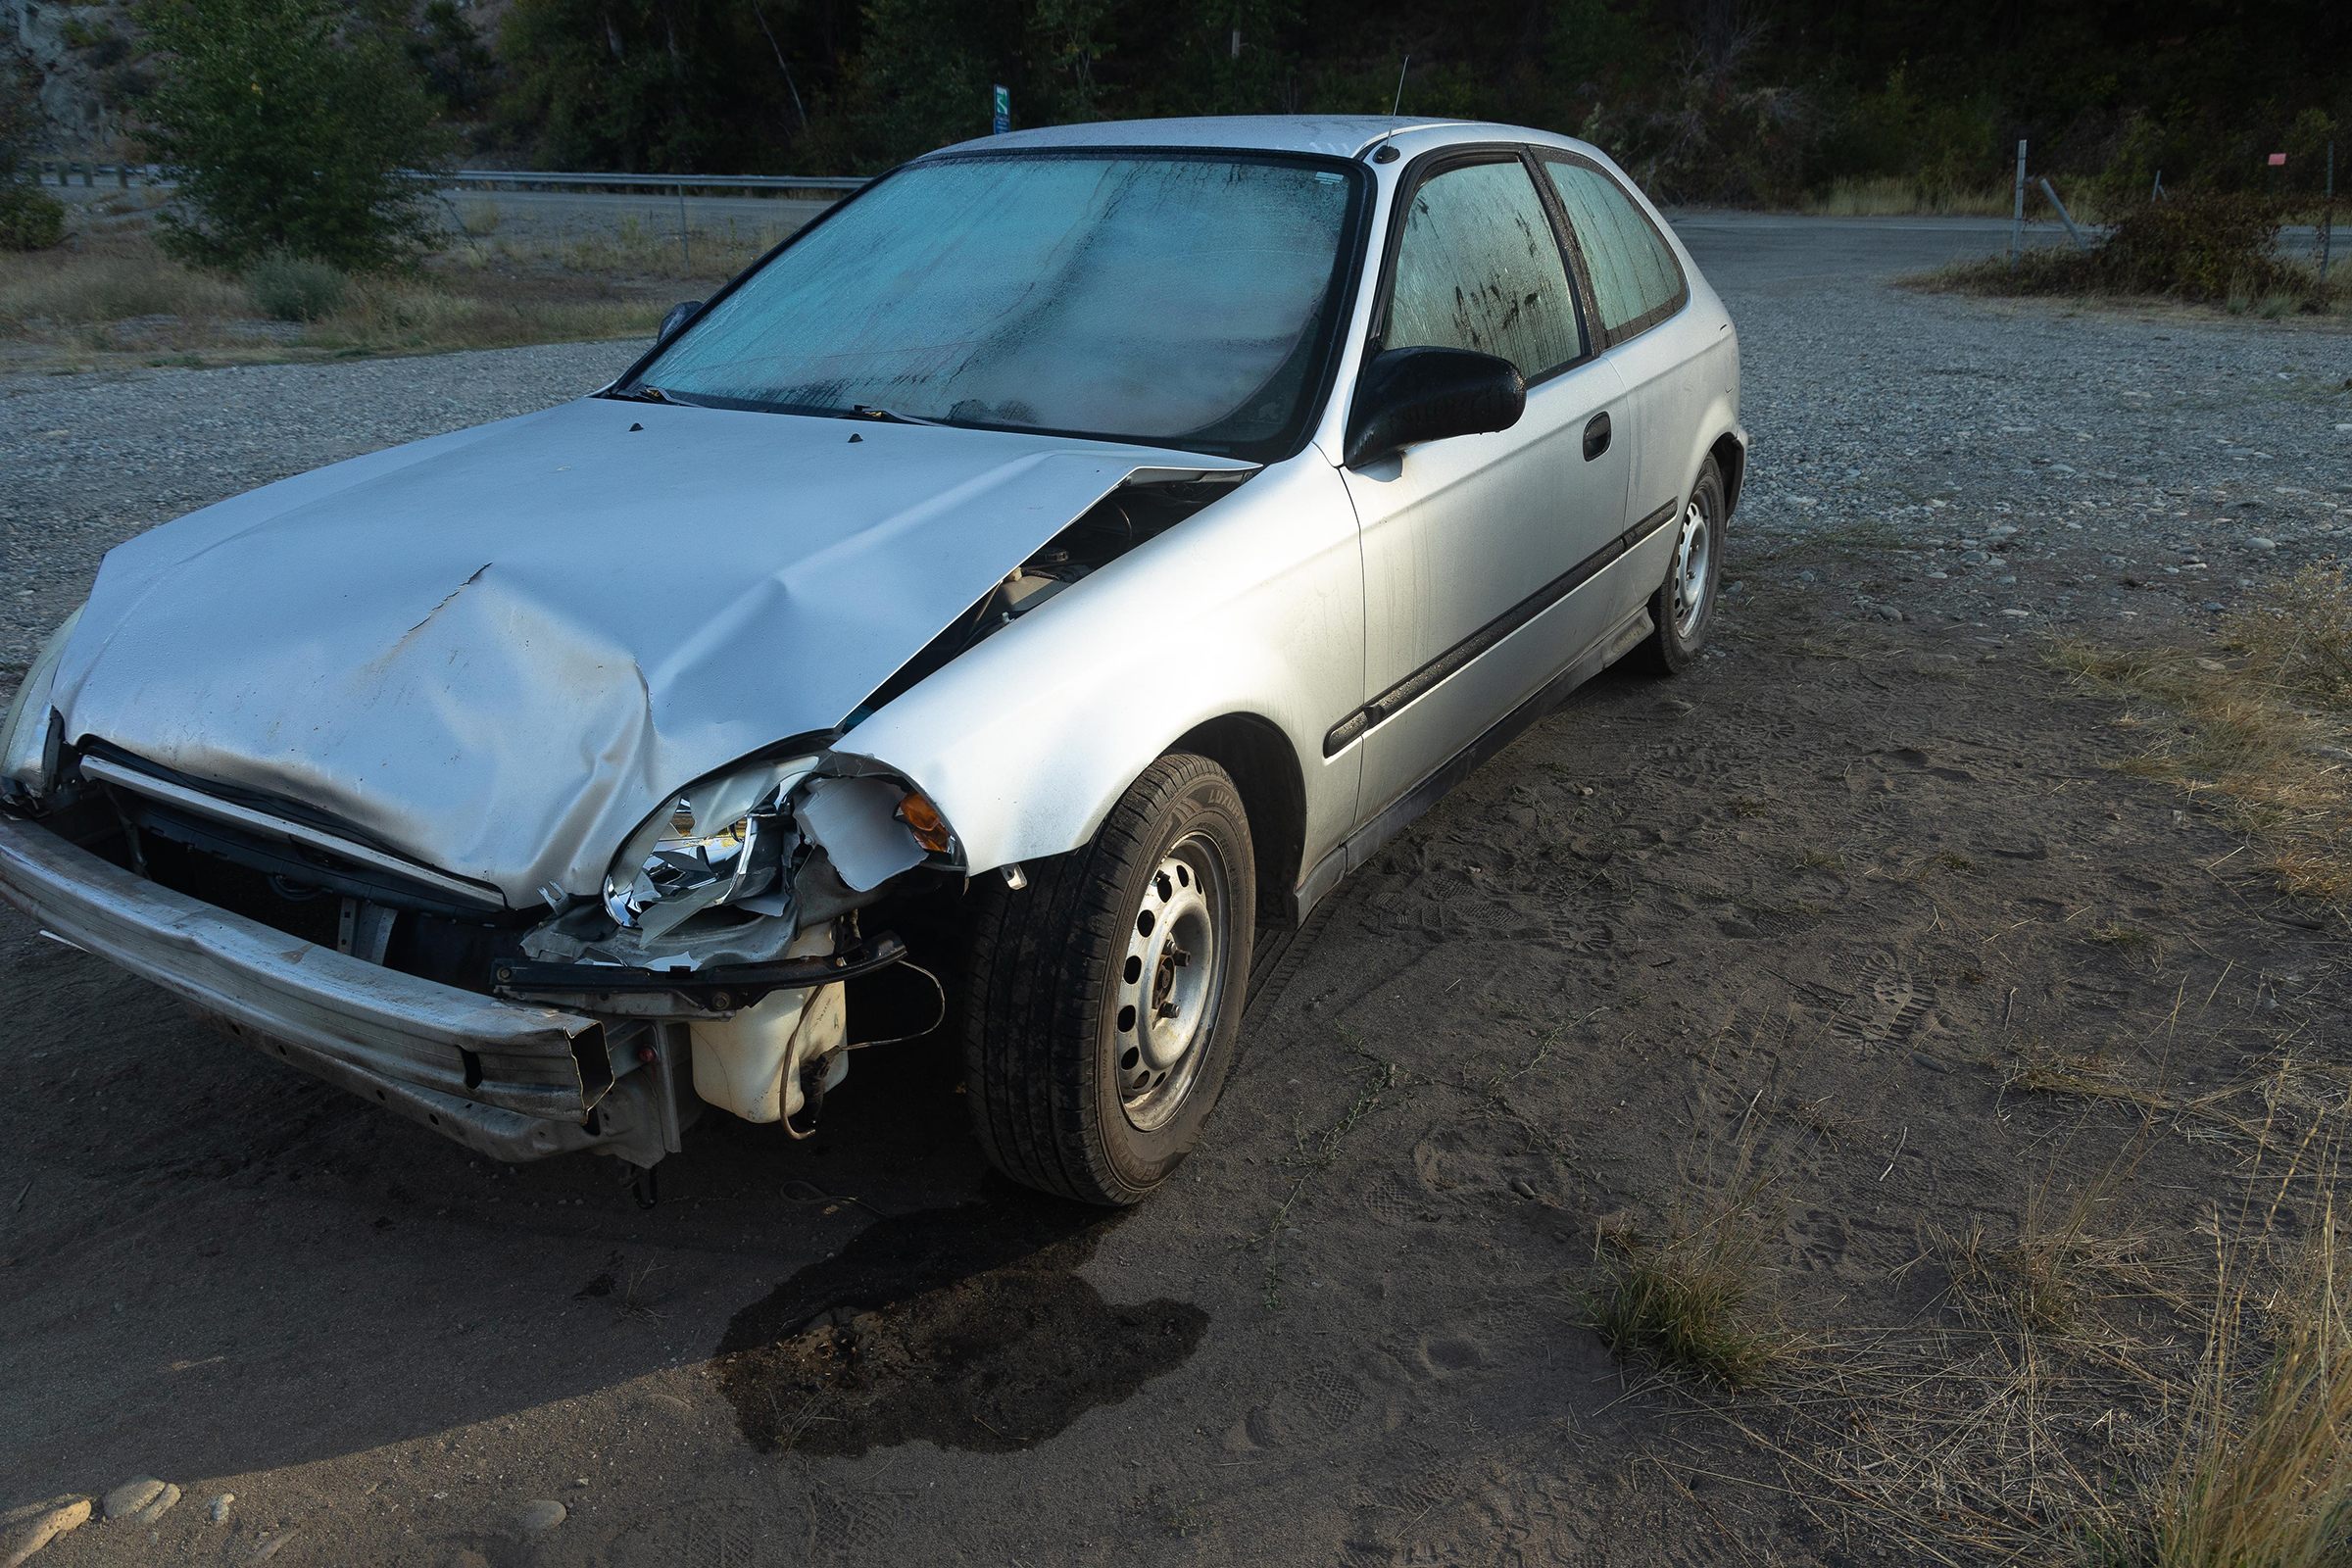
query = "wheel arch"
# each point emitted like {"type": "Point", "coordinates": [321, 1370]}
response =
{"type": "Point", "coordinates": [1258, 757]}
{"type": "Point", "coordinates": [1730, 453]}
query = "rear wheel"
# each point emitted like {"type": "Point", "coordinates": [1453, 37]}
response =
{"type": "Point", "coordinates": [1684, 605]}
{"type": "Point", "coordinates": [1102, 1002]}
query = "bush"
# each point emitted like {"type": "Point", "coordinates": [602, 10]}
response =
{"type": "Point", "coordinates": [288, 124]}
{"type": "Point", "coordinates": [2201, 246]}
{"type": "Point", "coordinates": [2208, 247]}
{"type": "Point", "coordinates": [295, 288]}
{"type": "Point", "coordinates": [31, 218]}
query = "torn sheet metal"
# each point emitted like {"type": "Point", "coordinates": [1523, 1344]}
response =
{"type": "Point", "coordinates": [856, 819]}
{"type": "Point", "coordinates": [496, 651]}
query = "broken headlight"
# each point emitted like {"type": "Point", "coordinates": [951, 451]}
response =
{"type": "Point", "coordinates": [725, 840]}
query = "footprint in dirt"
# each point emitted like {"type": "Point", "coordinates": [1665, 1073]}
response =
{"type": "Point", "coordinates": [1312, 1406]}
{"type": "Point", "coordinates": [966, 1327]}
{"type": "Point", "coordinates": [1892, 1007]}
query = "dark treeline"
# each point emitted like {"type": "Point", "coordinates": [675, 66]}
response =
{"type": "Point", "coordinates": [1706, 100]}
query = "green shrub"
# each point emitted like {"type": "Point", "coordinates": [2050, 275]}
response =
{"type": "Point", "coordinates": [2203, 245]}
{"type": "Point", "coordinates": [2208, 247]}
{"type": "Point", "coordinates": [31, 218]}
{"type": "Point", "coordinates": [295, 288]}
{"type": "Point", "coordinates": [289, 125]}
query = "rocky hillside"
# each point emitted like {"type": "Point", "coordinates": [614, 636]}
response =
{"type": "Point", "coordinates": [84, 58]}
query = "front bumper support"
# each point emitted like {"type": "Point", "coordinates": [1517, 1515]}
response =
{"type": "Point", "coordinates": [727, 986]}
{"type": "Point", "coordinates": [507, 1078]}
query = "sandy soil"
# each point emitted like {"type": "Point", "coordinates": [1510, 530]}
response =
{"type": "Point", "coordinates": [1803, 912]}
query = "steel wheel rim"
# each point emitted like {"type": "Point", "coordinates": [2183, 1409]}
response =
{"type": "Point", "coordinates": [1172, 982]}
{"type": "Point", "coordinates": [1690, 561]}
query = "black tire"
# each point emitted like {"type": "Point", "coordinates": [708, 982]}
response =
{"type": "Point", "coordinates": [1058, 1077]}
{"type": "Point", "coordinates": [1676, 643]}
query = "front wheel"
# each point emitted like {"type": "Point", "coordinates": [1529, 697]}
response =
{"type": "Point", "coordinates": [1102, 1002]}
{"type": "Point", "coordinates": [1684, 605]}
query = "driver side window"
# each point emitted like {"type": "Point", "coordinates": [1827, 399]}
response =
{"type": "Point", "coordinates": [1479, 267]}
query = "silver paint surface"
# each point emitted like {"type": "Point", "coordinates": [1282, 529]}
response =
{"type": "Point", "coordinates": [496, 651]}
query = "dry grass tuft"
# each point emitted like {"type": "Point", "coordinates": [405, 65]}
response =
{"type": "Point", "coordinates": [2270, 730]}
{"type": "Point", "coordinates": [2052, 1276]}
{"type": "Point", "coordinates": [1686, 1301]}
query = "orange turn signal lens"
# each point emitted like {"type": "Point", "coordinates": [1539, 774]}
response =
{"type": "Point", "coordinates": [922, 818]}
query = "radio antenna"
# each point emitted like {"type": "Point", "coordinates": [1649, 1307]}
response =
{"type": "Point", "coordinates": [1398, 102]}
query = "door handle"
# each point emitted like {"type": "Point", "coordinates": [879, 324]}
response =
{"type": "Point", "coordinates": [1596, 436]}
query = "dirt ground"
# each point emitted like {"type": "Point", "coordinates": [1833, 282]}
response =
{"type": "Point", "coordinates": [1814, 913]}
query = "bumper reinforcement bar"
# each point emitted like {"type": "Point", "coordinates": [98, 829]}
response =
{"type": "Point", "coordinates": [719, 989]}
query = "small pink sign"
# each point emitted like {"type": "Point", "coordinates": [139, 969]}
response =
{"type": "Point", "coordinates": [2277, 160]}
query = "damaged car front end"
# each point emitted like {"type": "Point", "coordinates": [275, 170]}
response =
{"type": "Point", "coordinates": [716, 978]}
{"type": "Point", "coordinates": [705, 966]}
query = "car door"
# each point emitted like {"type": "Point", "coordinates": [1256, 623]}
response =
{"type": "Point", "coordinates": [1637, 288]}
{"type": "Point", "coordinates": [1473, 545]}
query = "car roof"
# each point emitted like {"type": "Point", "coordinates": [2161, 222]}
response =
{"type": "Point", "coordinates": [1333, 135]}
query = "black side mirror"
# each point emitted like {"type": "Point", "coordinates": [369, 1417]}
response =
{"type": "Point", "coordinates": [1425, 394]}
{"type": "Point", "coordinates": [680, 315]}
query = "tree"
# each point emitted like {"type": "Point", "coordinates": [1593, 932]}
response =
{"type": "Point", "coordinates": [449, 52]}
{"type": "Point", "coordinates": [290, 125]}
{"type": "Point", "coordinates": [31, 218]}
{"type": "Point", "coordinates": [668, 85]}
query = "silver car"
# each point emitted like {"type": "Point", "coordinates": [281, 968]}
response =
{"type": "Point", "coordinates": [1039, 580]}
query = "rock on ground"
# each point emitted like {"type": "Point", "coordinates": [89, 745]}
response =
{"type": "Point", "coordinates": [135, 1494]}
{"type": "Point", "coordinates": [27, 1529]}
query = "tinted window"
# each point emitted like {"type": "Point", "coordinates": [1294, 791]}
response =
{"type": "Point", "coordinates": [1479, 267]}
{"type": "Point", "coordinates": [1633, 273]}
{"type": "Point", "coordinates": [1149, 298]}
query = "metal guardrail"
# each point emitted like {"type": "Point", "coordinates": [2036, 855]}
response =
{"type": "Point", "coordinates": [124, 176]}
{"type": "Point", "coordinates": [51, 171]}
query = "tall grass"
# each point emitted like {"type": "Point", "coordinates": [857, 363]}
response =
{"type": "Point", "coordinates": [117, 294]}
{"type": "Point", "coordinates": [85, 290]}
{"type": "Point", "coordinates": [1896, 196]}
{"type": "Point", "coordinates": [2266, 1480]}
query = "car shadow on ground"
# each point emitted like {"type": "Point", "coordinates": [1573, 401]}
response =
{"type": "Point", "coordinates": [272, 1255]}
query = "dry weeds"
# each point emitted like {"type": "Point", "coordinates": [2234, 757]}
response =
{"type": "Point", "coordinates": [2269, 729]}
{"type": "Point", "coordinates": [2069, 1257]}
{"type": "Point", "coordinates": [110, 296]}
{"type": "Point", "coordinates": [2075, 1400]}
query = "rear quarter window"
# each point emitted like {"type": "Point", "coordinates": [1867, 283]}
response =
{"type": "Point", "coordinates": [1637, 282]}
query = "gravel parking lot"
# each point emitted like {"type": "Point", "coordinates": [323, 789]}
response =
{"type": "Point", "coordinates": [1822, 888]}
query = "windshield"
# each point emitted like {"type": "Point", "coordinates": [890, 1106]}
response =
{"type": "Point", "coordinates": [1152, 297]}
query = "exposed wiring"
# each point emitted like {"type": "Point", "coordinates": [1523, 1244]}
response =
{"type": "Point", "coordinates": [937, 1018]}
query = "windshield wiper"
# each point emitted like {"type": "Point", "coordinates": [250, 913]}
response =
{"type": "Point", "coordinates": [868, 411]}
{"type": "Point", "coordinates": [640, 394]}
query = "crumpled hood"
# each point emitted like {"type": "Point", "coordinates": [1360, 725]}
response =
{"type": "Point", "coordinates": [497, 651]}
